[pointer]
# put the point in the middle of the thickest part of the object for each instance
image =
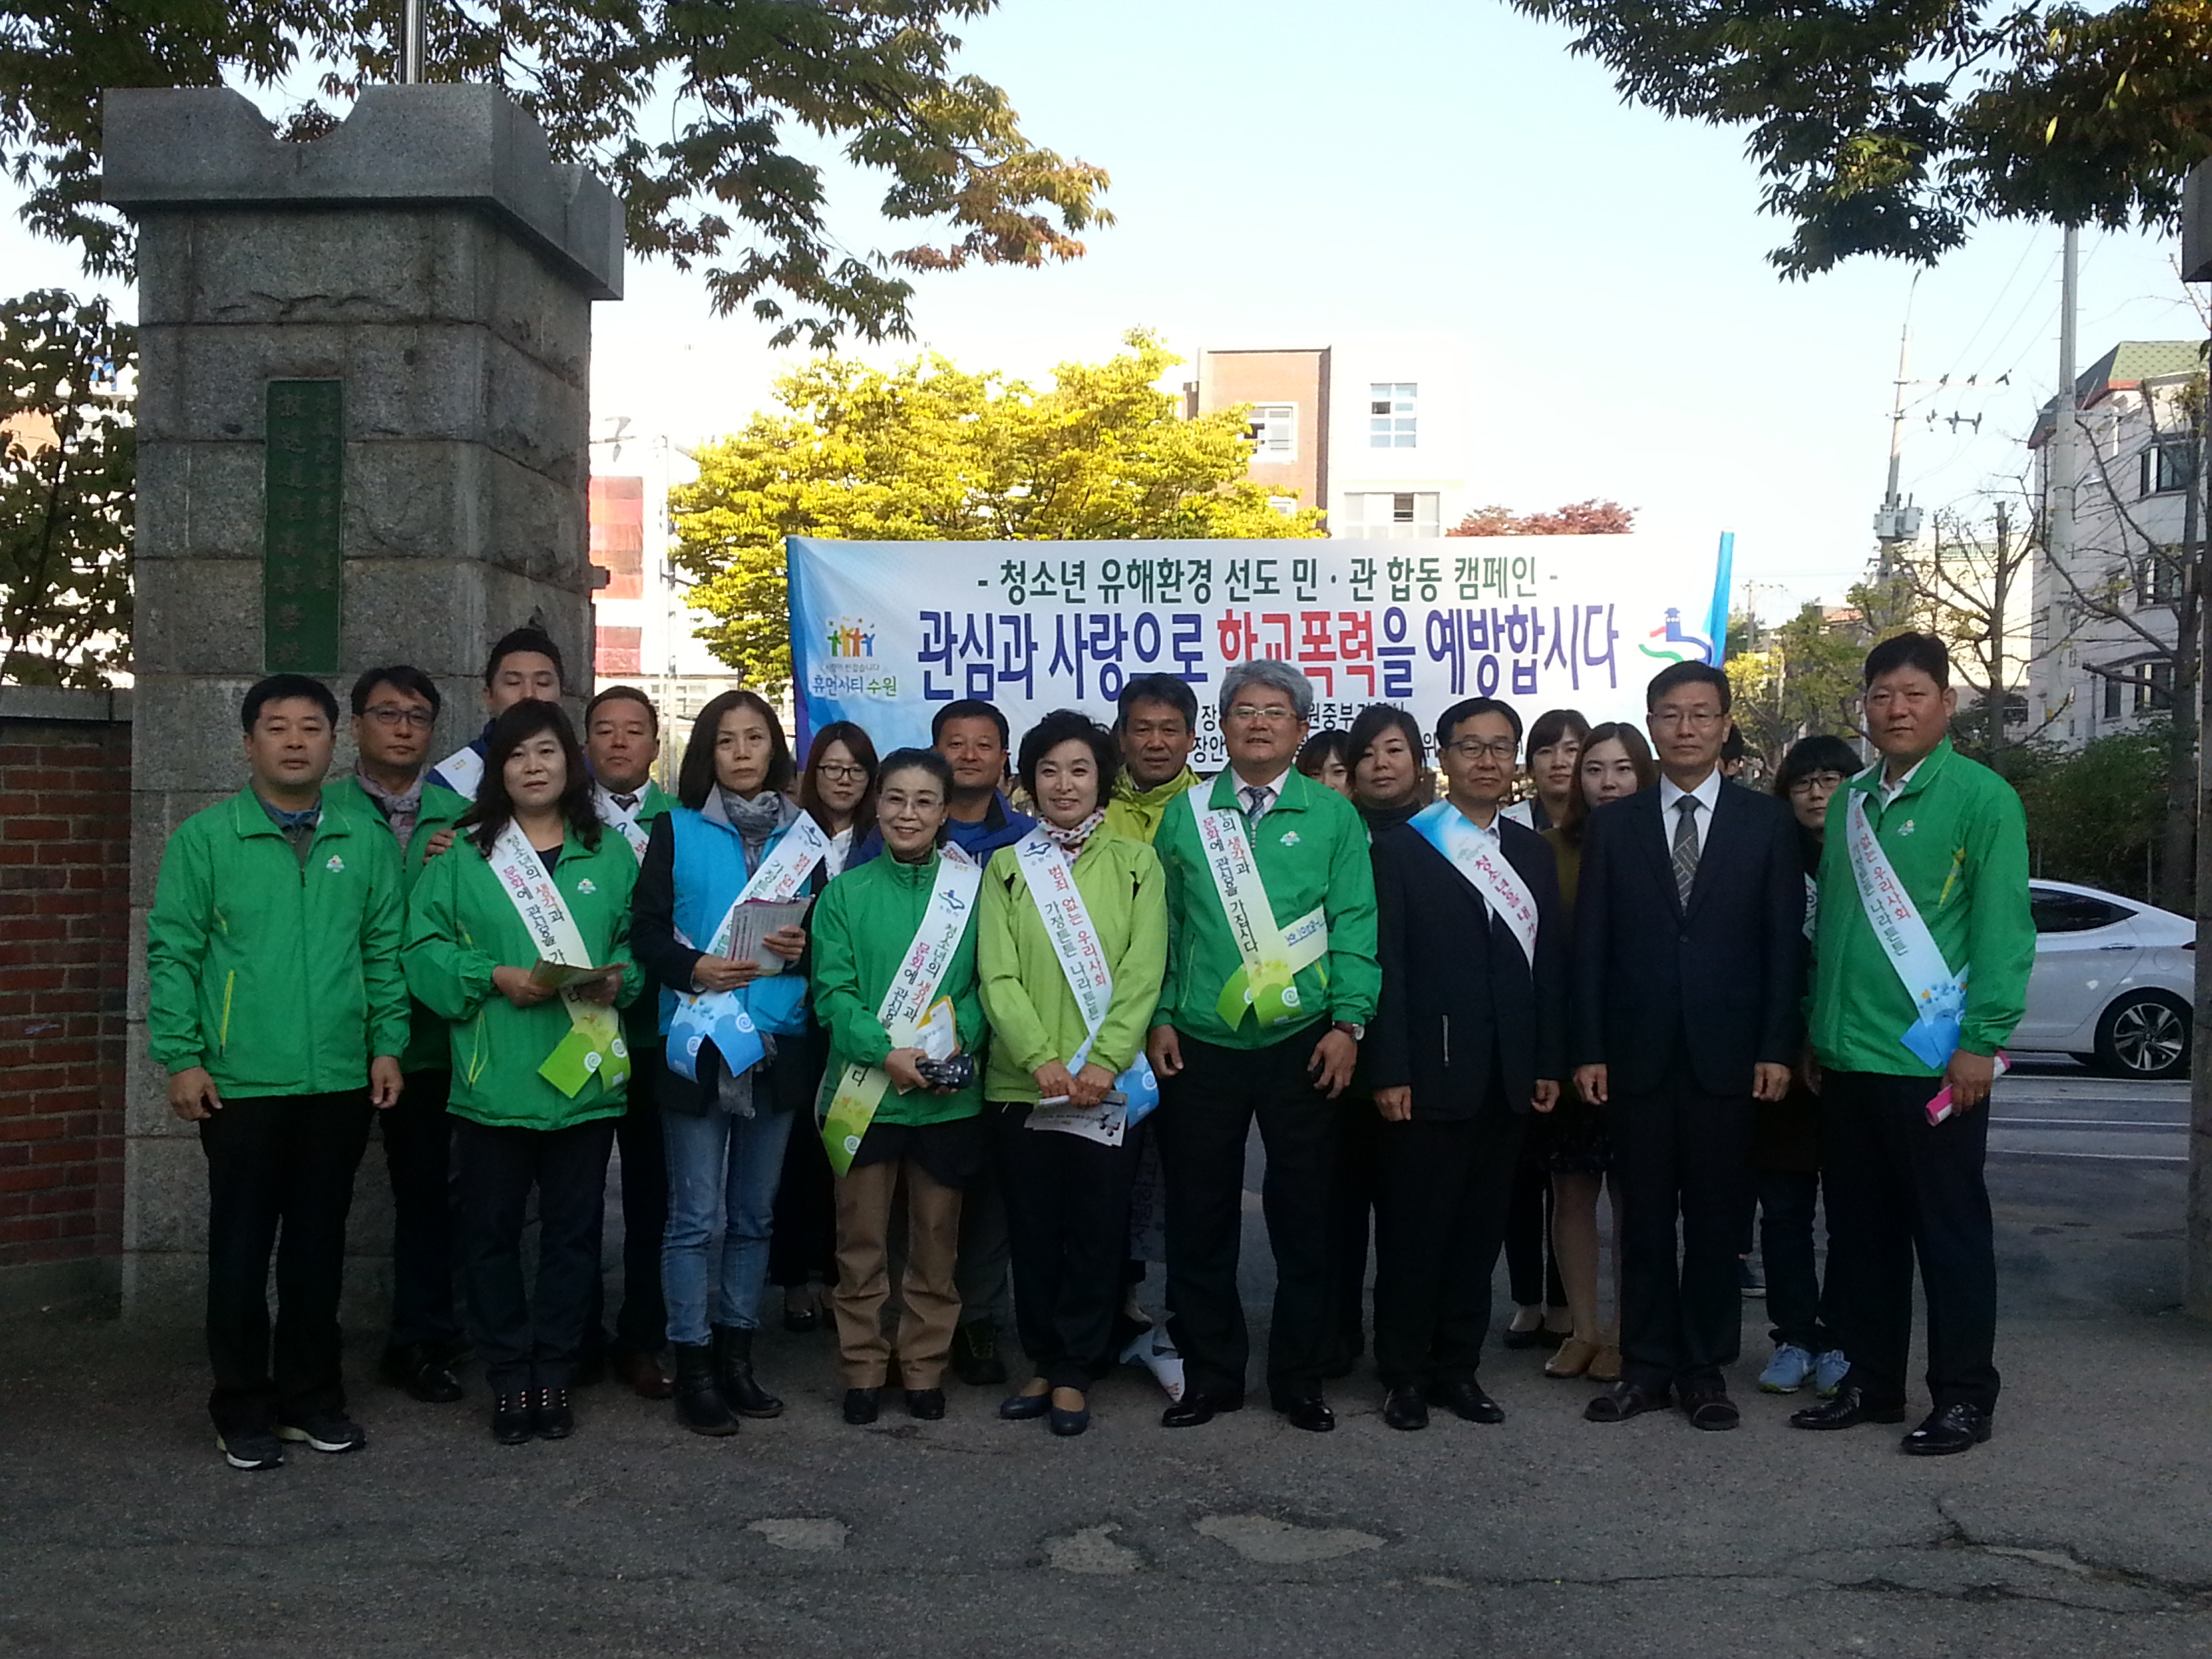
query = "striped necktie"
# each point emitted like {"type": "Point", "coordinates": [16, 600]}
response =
{"type": "Point", "coordinates": [1685, 847]}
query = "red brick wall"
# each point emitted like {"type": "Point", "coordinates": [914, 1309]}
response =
{"type": "Point", "coordinates": [64, 941]}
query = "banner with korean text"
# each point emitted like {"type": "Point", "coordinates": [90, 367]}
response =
{"type": "Point", "coordinates": [886, 633]}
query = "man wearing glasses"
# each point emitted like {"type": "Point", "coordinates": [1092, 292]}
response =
{"type": "Point", "coordinates": [1272, 978]}
{"type": "Point", "coordinates": [1689, 966]}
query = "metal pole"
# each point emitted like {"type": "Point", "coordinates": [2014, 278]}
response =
{"type": "Point", "coordinates": [2196, 1249]}
{"type": "Point", "coordinates": [2065, 468]}
{"type": "Point", "coordinates": [411, 44]}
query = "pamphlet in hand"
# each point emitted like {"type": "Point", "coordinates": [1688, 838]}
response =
{"type": "Point", "coordinates": [559, 976]}
{"type": "Point", "coordinates": [756, 920]}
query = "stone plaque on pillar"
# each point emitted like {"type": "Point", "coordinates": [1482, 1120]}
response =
{"type": "Point", "coordinates": [363, 420]}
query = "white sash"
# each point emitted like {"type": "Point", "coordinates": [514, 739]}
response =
{"type": "Point", "coordinates": [462, 772]}
{"type": "Point", "coordinates": [1486, 868]}
{"type": "Point", "coordinates": [952, 904]}
{"type": "Point", "coordinates": [781, 873]}
{"type": "Point", "coordinates": [1273, 954]}
{"type": "Point", "coordinates": [1939, 996]}
{"type": "Point", "coordinates": [623, 820]}
{"type": "Point", "coordinates": [595, 1037]}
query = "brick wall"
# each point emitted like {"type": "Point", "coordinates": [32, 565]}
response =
{"type": "Point", "coordinates": [64, 928]}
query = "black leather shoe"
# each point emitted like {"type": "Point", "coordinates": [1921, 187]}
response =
{"type": "Point", "coordinates": [1069, 1422]}
{"type": "Point", "coordinates": [513, 1419]}
{"type": "Point", "coordinates": [975, 1359]}
{"type": "Point", "coordinates": [1404, 1408]}
{"type": "Point", "coordinates": [643, 1375]}
{"type": "Point", "coordinates": [700, 1407]}
{"type": "Point", "coordinates": [424, 1372]}
{"type": "Point", "coordinates": [1195, 1410]}
{"type": "Point", "coordinates": [1850, 1408]}
{"type": "Point", "coordinates": [861, 1406]}
{"type": "Point", "coordinates": [733, 1374]}
{"type": "Point", "coordinates": [1710, 1409]}
{"type": "Point", "coordinates": [1949, 1430]}
{"type": "Point", "coordinates": [1514, 1341]}
{"type": "Point", "coordinates": [1312, 1415]}
{"type": "Point", "coordinates": [1623, 1401]}
{"type": "Point", "coordinates": [1467, 1400]}
{"type": "Point", "coordinates": [1021, 1408]}
{"type": "Point", "coordinates": [927, 1404]}
{"type": "Point", "coordinates": [552, 1417]}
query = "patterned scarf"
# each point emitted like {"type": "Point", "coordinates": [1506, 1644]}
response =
{"type": "Point", "coordinates": [754, 820]}
{"type": "Point", "coordinates": [1070, 841]}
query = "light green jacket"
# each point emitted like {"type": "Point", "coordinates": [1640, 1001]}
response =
{"type": "Point", "coordinates": [279, 977]}
{"type": "Point", "coordinates": [1136, 812]}
{"type": "Point", "coordinates": [1034, 1016]}
{"type": "Point", "coordinates": [1957, 839]}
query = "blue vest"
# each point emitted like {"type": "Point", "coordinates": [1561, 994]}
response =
{"type": "Point", "coordinates": [710, 872]}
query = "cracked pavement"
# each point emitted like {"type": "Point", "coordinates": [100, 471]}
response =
{"type": "Point", "coordinates": [2085, 1528]}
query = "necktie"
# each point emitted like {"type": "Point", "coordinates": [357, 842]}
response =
{"type": "Point", "coordinates": [1258, 798]}
{"type": "Point", "coordinates": [627, 803]}
{"type": "Point", "coordinates": [1685, 847]}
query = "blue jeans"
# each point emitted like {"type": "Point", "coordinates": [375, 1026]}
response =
{"type": "Point", "coordinates": [721, 1169]}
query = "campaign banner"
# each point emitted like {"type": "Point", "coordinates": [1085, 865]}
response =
{"type": "Point", "coordinates": [886, 633]}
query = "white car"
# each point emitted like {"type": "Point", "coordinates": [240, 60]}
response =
{"type": "Point", "coordinates": [2114, 981]}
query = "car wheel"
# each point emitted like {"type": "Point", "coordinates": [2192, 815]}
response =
{"type": "Point", "coordinates": [2144, 1035]}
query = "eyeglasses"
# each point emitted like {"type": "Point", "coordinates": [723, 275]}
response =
{"type": "Point", "coordinates": [1468, 749]}
{"type": "Point", "coordinates": [842, 774]}
{"type": "Point", "coordinates": [384, 714]}
{"type": "Point", "coordinates": [1812, 781]}
{"type": "Point", "coordinates": [1275, 714]}
{"type": "Point", "coordinates": [1703, 719]}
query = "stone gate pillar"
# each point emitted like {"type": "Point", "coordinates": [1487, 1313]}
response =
{"type": "Point", "coordinates": [363, 408]}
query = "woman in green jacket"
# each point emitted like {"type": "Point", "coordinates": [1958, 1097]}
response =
{"type": "Point", "coordinates": [894, 1116]}
{"type": "Point", "coordinates": [538, 1073]}
{"type": "Point", "coordinates": [1067, 1193]}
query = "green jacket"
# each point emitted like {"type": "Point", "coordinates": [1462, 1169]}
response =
{"type": "Point", "coordinates": [460, 926]}
{"type": "Point", "coordinates": [426, 1037]}
{"type": "Point", "coordinates": [864, 923]}
{"type": "Point", "coordinates": [1959, 840]}
{"type": "Point", "coordinates": [280, 977]}
{"type": "Point", "coordinates": [1136, 812]}
{"type": "Point", "coordinates": [1033, 1015]}
{"type": "Point", "coordinates": [1311, 849]}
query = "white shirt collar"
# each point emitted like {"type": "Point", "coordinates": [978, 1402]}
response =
{"type": "Point", "coordinates": [1487, 831]}
{"type": "Point", "coordinates": [1890, 791]}
{"type": "Point", "coordinates": [1707, 793]}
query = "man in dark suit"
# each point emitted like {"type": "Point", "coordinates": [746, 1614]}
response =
{"type": "Point", "coordinates": [1689, 966]}
{"type": "Point", "coordinates": [1469, 1034]}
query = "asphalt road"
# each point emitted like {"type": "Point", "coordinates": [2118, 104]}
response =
{"type": "Point", "coordinates": [2084, 1528]}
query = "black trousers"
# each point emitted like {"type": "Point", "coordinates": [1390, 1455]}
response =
{"type": "Point", "coordinates": [280, 1178]}
{"type": "Point", "coordinates": [1787, 1202]}
{"type": "Point", "coordinates": [641, 1325]}
{"type": "Point", "coordinates": [803, 1244]}
{"type": "Point", "coordinates": [1205, 1112]}
{"type": "Point", "coordinates": [418, 1140]}
{"type": "Point", "coordinates": [1899, 1186]}
{"type": "Point", "coordinates": [1531, 1274]}
{"type": "Point", "coordinates": [1359, 1131]}
{"type": "Point", "coordinates": [1067, 1217]}
{"type": "Point", "coordinates": [1679, 1155]}
{"type": "Point", "coordinates": [526, 1340]}
{"type": "Point", "coordinates": [1444, 1191]}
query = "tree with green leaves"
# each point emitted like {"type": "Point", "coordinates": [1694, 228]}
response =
{"type": "Point", "coordinates": [67, 458]}
{"type": "Point", "coordinates": [688, 108]}
{"type": "Point", "coordinates": [1892, 126]}
{"type": "Point", "coordinates": [1793, 681]}
{"type": "Point", "coordinates": [930, 452]}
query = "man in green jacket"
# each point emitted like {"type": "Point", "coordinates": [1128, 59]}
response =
{"type": "Point", "coordinates": [395, 713]}
{"type": "Point", "coordinates": [1262, 1016]}
{"type": "Point", "coordinates": [1157, 721]}
{"type": "Point", "coordinates": [275, 1003]}
{"type": "Point", "coordinates": [1924, 945]}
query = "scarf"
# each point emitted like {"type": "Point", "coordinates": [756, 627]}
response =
{"type": "Point", "coordinates": [754, 820]}
{"type": "Point", "coordinates": [401, 810]}
{"type": "Point", "coordinates": [1070, 841]}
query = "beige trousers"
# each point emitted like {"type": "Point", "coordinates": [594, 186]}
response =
{"type": "Point", "coordinates": [930, 1309]}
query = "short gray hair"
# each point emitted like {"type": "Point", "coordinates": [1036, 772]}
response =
{"type": "Point", "coordinates": [1274, 675]}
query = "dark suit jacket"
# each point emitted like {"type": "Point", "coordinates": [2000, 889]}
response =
{"type": "Point", "coordinates": [1724, 979]}
{"type": "Point", "coordinates": [1459, 998]}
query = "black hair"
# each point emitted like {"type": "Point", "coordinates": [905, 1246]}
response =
{"type": "Point", "coordinates": [1330, 742]}
{"type": "Point", "coordinates": [1819, 753]}
{"type": "Point", "coordinates": [1372, 722]}
{"type": "Point", "coordinates": [280, 688]}
{"type": "Point", "coordinates": [1070, 726]}
{"type": "Point", "coordinates": [1635, 746]}
{"type": "Point", "coordinates": [919, 760]}
{"type": "Point", "coordinates": [1732, 747]}
{"type": "Point", "coordinates": [695, 779]}
{"type": "Point", "coordinates": [493, 808]}
{"type": "Point", "coordinates": [1167, 689]}
{"type": "Point", "coordinates": [971, 708]}
{"type": "Point", "coordinates": [1921, 651]}
{"type": "Point", "coordinates": [400, 677]}
{"type": "Point", "coordinates": [1450, 720]}
{"type": "Point", "coordinates": [1686, 673]}
{"type": "Point", "coordinates": [626, 694]}
{"type": "Point", "coordinates": [526, 638]}
{"type": "Point", "coordinates": [1553, 725]}
{"type": "Point", "coordinates": [862, 748]}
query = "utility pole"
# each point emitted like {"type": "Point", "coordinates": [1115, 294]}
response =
{"type": "Point", "coordinates": [1898, 521]}
{"type": "Point", "coordinates": [2196, 1249]}
{"type": "Point", "coordinates": [411, 44]}
{"type": "Point", "coordinates": [2064, 470]}
{"type": "Point", "coordinates": [1999, 702]}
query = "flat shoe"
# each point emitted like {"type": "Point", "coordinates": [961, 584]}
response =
{"type": "Point", "coordinates": [1572, 1360]}
{"type": "Point", "coordinates": [927, 1404]}
{"type": "Point", "coordinates": [1020, 1408]}
{"type": "Point", "coordinates": [1404, 1408]}
{"type": "Point", "coordinates": [1467, 1402]}
{"type": "Point", "coordinates": [862, 1405]}
{"type": "Point", "coordinates": [1068, 1421]}
{"type": "Point", "coordinates": [1713, 1410]}
{"type": "Point", "coordinates": [1620, 1402]}
{"type": "Point", "coordinates": [1606, 1367]}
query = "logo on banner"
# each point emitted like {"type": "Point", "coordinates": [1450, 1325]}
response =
{"type": "Point", "coordinates": [1676, 643]}
{"type": "Point", "coordinates": [852, 637]}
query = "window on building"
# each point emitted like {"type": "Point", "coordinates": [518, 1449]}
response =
{"type": "Point", "coordinates": [1387, 515]}
{"type": "Point", "coordinates": [1285, 505]}
{"type": "Point", "coordinates": [1275, 430]}
{"type": "Point", "coordinates": [2162, 468]}
{"type": "Point", "coordinates": [1393, 414]}
{"type": "Point", "coordinates": [2155, 690]}
{"type": "Point", "coordinates": [2112, 699]}
{"type": "Point", "coordinates": [2160, 577]}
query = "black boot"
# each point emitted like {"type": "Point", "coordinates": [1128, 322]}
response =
{"type": "Point", "coordinates": [733, 1373]}
{"type": "Point", "coordinates": [700, 1407]}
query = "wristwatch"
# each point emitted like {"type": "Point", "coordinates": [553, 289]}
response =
{"type": "Point", "coordinates": [1351, 1029]}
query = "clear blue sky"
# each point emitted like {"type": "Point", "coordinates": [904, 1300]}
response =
{"type": "Point", "coordinates": [1302, 172]}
